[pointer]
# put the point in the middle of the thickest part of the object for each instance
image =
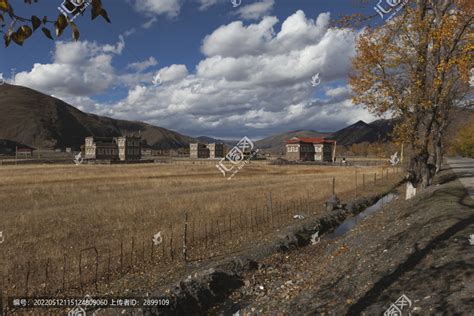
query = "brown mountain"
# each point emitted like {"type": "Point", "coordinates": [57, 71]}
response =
{"type": "Point", "coordinates": [41, 121]}
{"type": "Point", "coordinates": [356, 133]}
{"type": "Point", "coordinates": [359, 132]}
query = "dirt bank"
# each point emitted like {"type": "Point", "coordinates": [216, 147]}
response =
{"type": "Point", "coordinates": [419, 248]}
{"type": "Point", "coordinates": [208, 286]}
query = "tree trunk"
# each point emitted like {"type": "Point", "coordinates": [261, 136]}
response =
{"type": "Point", "coordinates": [420, 172]}
{"type": "Point", "coordinates": [438, 147]}
{"type": "Point", "coordinates": [438, 154]}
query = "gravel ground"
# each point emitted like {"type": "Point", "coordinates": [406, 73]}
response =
{"type": "Point", "coordinates": [419, 248]}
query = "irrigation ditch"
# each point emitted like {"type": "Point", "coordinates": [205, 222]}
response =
{"type": "Point", "coordinates": [211, 283]}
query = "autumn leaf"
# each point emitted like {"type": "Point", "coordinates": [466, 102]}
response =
{"type": "Point", "coordinates": [4, 5]}
{"type": "Point", "coordinates": [25, 31]}
{"type": "Point", "coordinates": [47, 33]}
{"type": "Point", "coordinates": [7, 39]}
{"type": "Point", "coordinates": [75, 31]}
{"type": "Point", "coordinates": [105, 15]}
{"type": "Point", "coordinates": [36, 22]}
{"type": "Point", "coordinates": [60, 25]}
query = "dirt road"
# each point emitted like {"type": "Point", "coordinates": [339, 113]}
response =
{"type": "Point", "coordinates": [418, 248]}
{"type": "Point", "coordinates": [464, 169]}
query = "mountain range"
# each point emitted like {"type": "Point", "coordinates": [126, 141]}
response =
{"type": "Point", "coordinates": [41, 121]}
{"type": "Point", "coordinates": [38, 120]}
{"type": "Point", "coordinates": [359, 132]}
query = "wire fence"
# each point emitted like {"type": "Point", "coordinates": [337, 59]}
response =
{"type": "Point", "coordinates": [193, 238]}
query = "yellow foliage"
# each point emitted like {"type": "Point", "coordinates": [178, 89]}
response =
{"type": "Point", "coordinates": [463, 143]}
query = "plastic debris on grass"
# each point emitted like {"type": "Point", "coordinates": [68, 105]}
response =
{"type": "Point", "coordinates": [315, 238]}
{"type": "Point", "coordinates": [157, 238]}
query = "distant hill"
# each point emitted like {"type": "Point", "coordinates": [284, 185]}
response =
{"type": "Point", "coordinates": [8, 147]}
{"type": "Point", "coordinates": [359, 132]}
{"type": "Point", "coordinates": [41, 121]}
{"type": "Point", "coordinates": [276, 144]}
{"type": "Point", "coordinates": [210, 140]}
{"type": "Point", "coordinates": [356, 133]}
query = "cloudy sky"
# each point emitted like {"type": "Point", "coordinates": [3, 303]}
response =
{"type": "Point", "coordinates": [200, 67]}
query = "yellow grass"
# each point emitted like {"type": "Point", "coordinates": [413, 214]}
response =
{"type": "Point", "coordinates": [49, 211]}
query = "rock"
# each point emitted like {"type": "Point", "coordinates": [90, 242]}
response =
{"type": "Point", "coordinates": [333, 203]}
{"type": "Point", "coordinates": [198, 293]}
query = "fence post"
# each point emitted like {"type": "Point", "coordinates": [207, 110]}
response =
{"type": "Point", "coordinates": [46, 281]}
{"type": "Point", "coordinates": [163, 247]}
{"type": "Point", "coordinates": [271, 207]}
{"type": "Point", "coordinates": [151, 252]}
{"type": "Point", "coordinates": [256, 219]}
{"type": "Point", "coordinates": [334, 186]}
{"type": "Point", "coordinates": [131, 254]}
{"type": "Point", "coordinates": [96, 266]}
{"type": "Point", "coordinates": [171, 242]}
{"type": "Point", "coordinates": [205, 233]}
{"type": "Point", "coordinates": [64, 272]}
{"type": "Point", "coordinates": [121, 256]}
{"type": "Point", "coordinates": [251, 221]}
{"type": "Point", "coordinates": [27, 278]}
{"type": "Point", "coordinates": [363, 181]}
{"type": "Point", "coordinates": [355, 183]}
{"type": "Point", "coordinates": [185, 235]}
{"type": "Point", "coordinates": [230, 225]}
{"type": "Point", "coordinates": [108, 267]}
{"type": "Point", "coordinates": [192, 231]}
{"type": "Point", "coordinates": [375, 178]}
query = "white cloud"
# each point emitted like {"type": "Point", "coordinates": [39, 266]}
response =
{"type": "Point", "coordinates": [256, 10]}
{"type": "Point", "coordinates": [78, 69]}
{"type": "Point", "coordinates": [143, 65]}
{"type": "Point", "coordinates": [253, 80]}
{"type": "Point", "coordinates": [149, 23]}
{"type": "Point", "coordinates": [205, 4]}
{"type": "Point", "coordinates": [170, 8]}
{"type": "Point", "coordinates": [236, 39]}
{"type": "Point", "coordinates": [129, 32]}
{"type": "Point", "coordinates": [173, 73]}
{"type": "Point", "coordinates": [114, 49]}
{"type": "Point", "coordinates": [338, 92]}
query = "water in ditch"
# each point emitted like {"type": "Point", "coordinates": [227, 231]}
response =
{"type": "Point", "coordinates": [349, 223]}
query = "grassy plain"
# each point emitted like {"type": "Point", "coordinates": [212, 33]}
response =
{"type": "Point", "coordinates": [50, 212]}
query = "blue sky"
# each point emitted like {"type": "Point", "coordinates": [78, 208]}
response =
{"type": "Point", "coordinates": [221, 71]}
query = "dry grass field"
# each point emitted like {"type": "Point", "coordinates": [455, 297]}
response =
{"type": "Point", "coordinates": [50, 213]}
